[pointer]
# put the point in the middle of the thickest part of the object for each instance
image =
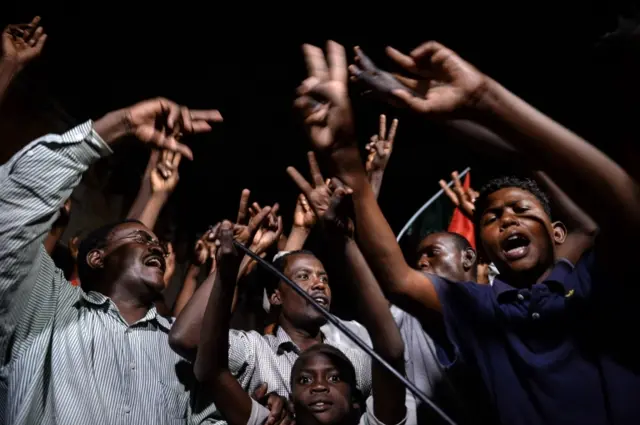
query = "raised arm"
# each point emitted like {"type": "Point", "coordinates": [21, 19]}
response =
{"type": "Point", "coordinates": [21, 44]}
{"type": "Point", "coordinates": [35, 183]}
{"type": "Point", "coordinates": [212, 361]}
{"type": "Point", "coordinates": [330, 127]}
{"type": "Point", "coordinates": [374, 312]}
{"type": "Point", "coordinates": [159, 181]}
{"type": "Point", "coordinates": [380, 148]}
{"type": "Point", "coordinates": [588, 176]}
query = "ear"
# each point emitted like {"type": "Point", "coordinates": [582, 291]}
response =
{"type": "Point", "coordinates": [469, 258]}
{"type": "Point", "coordinates": [95, 258]}
{"type": "Point", "coordinates": [559, 232]}
{"type": "Point", "coordinates": [275, 298]}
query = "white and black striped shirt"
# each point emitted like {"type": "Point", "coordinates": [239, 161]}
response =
{"type": "Point", "coordinates": [67, 357]}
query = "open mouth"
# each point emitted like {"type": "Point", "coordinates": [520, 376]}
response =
{"type": "Point", "coordinates": [515, 246]}
{"type": "Point", "coordinates": [320, 406]}
{"type": "Point", "coordinates": [155, 261]}
{"type": "Point", "coordinates": [321, 299]}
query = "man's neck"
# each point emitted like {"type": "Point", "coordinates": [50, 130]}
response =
{"type": "Point", "coordinates": [132, 307]}
{"type": "Point", "coordinates": [302, 338]}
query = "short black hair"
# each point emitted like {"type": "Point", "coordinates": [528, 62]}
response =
{"type": "Point", "coordinates": [95, 239]}
{"type": "Point", "coordinates": [460, 241]}
{"type": "Point", "coordinates": [499, 183]}
{"type": "Point", "coordinates": [280, 263]}
{"type": "Point", "coordinates": [342, 363]}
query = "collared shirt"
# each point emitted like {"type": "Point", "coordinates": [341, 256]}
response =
{"type": "Point", "coordinates": [260, 414]}
{"type": "Point", "coordinates": [543, 352]}
{"type": "Point", "coordinates": [68, 357]}
{"type": "Point", "coordinates": [255, 359]}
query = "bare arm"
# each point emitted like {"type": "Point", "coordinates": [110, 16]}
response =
{"type": "Point", "coordinates": [332, 131]}
{"type": "Point", "coordinates": [388, 391]}
{"type": "Point", "coordinates": [581, 227]}
{"type": "Point", "coordinates": [212, 361]}
{"type": "Point", "coordinates": [380, 148]}
{"type": "Point", "coordinates": [188, 289]}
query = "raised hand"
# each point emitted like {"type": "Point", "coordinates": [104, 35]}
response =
{"type": "Point", "coordinates": [323, 97]}
{"type": "Point", "coordinates": [162, 123]}
{"type": "Point", "coordinates": [164, 176]}
{"type": "Point", "coordinates": [463, 199]}
{"type": "Point", "coordinates": [444, 83]}
{"type": "Point", "coordinates": [381, 146]}
{"type": "Point", "coordinates": [22, 43]}
{"type": "Point", "coordinates": [206, 248]}
{"type": "Point", "coordinates": [269, 231]}
{"type": "Point", "coordinates": [373, 80]}
{"type": "Point", "coordinates": [337, 218]}
{"type": "Point", "coordinates": [319, 194]}
{"type": "Point", "coordinates": [246, 227]}
{"type": "Point", "coordinates": [303, 215]}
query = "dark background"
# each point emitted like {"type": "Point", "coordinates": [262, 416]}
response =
{"type": "Point", "coordinates": [246, 61]}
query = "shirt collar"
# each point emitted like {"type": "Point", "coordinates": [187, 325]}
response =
{"type": "Point", "coordinates": [96, 299]}
{"type": "Point", "coordinates": [556, 281]}
{"type": "Point", "coordinates": [283, 342]}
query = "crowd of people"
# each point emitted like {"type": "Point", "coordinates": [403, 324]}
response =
{"type": "Point", "coordinates": [543, 339]}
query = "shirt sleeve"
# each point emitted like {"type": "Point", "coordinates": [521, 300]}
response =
{"type": "Point", "coordinates": [34, 183]}
{"type": "Point", "coordinates": [259, 414]}
{"type": "Point", "coordinates": [243, 347]}
{"type": "Point", "coordinates": [411, 418]}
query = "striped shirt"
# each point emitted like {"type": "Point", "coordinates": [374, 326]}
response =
{"type": "Point", "coordinates": [66, 356]}
{"type": "Point", "coordinates": [255, 359]}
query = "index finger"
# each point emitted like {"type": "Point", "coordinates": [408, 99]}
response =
{"type": "Point", "coordinates": [403, 60]}
{"type": "Point", "coordinates": [392, 131]}
{"type": "Point", "coordinates": [364, 61]}
{"type": "Point", "coordinates": [383, 127]}
{"type": "Point", "coordinates": [316, 175]}
{"type": "Point", "coordinates": [337, 62]}
{"type": "Point", "coordinates": [316, 63]}
{"type": "Point", "coordinates": [176, 160]}
{"type": "Point", "coordinates": [300, 181]}
{"type": "Point", "coordinates": [450, 194]}
{"type": "Point", "coordinates": [242, 210]}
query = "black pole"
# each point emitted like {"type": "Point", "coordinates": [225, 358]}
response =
{"type": "Point", "coordinates": [353, 337]}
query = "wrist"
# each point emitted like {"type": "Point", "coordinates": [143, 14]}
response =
{"type": "Point", "coordinates": [10, 65]}
{"type": "Point", "coordinates": [113, 126]}
{"type": "Point", "coordinates": [300, 229]}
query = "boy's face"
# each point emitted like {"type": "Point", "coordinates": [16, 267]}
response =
{"type": "Point", "coordinates": [319, 394]}
{"type": "Point", "coordinates": [516, 233]}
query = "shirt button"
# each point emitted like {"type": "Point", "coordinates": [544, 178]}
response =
{"type": "Point", "coordinates": [29, 153]}
{"type": "Point", "coordinates": [127, 410]}
{"type": "Point", "coordinates": [535, 316]}
{"type": "Point", "coordinates": [521, 297]}
{"type": "Point", "coordinates": [133, 366]}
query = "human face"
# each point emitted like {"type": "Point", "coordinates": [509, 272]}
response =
{"type": "Point", "coordinates": [517, 234]}
{"type": "Point", "coordinates": [319, 394]}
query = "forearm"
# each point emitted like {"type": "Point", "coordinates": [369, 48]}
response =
{"type": "Point", "coordinates": [388, 391]}
{"type": "Point", "coordinates": [151, 210]}
{"type": "Point", "coordinates": [8, 71]}
{"type": "Point", "coordinates": [297, 237]}
{"type": "Point", "coordinates": [375, 179]}
{"type": "Point", "coordinates": [188, 289]}
{"type": "Point", "coordinates": [211, 366]}
{"type": "Point", "coordinates": [184, 337]}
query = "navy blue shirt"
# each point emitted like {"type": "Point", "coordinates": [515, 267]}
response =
{"type": "Point", "coordinates": [542, 352]}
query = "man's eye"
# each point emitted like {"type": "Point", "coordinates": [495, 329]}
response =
{"type": "Point", "coordinates": [304, 380]}
{"type": "Point", "coordinates": [334, 378]}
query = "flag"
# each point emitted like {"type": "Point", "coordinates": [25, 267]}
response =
{"type": "Point", "coordinates": [459, 223]}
